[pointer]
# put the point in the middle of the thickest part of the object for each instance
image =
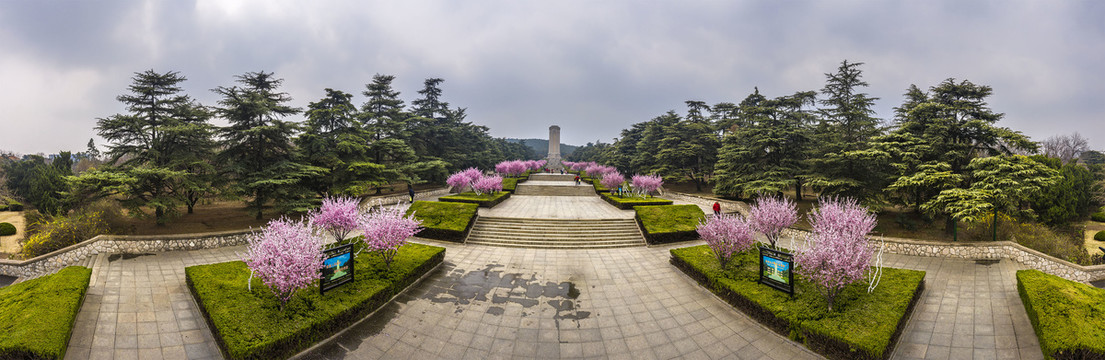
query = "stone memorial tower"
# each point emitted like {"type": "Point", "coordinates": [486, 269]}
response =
{"type": "Point", "coordinates": [554, 148]}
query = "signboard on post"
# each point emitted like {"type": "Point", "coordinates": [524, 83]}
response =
{"type": "Point", "coordinates": [776, 269]}
{"type": "Point", "coordinates": [337, 269]}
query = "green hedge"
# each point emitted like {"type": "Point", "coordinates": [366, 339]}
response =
{"type": "Point", "coordinates": [669, 223]}
{"type": "Point", "coordinates": [1069, 317]}
{"type": "Point", "coordinates": [15, 206]}
{"type": "Point", "coordinates": [485, 200]}
{"type": "Point", "coordinates": [861, 326]}
{"type": "Point", "coordinates": [37, 315]}
{"type": "Point", "coordinates": [249, 325]}
{"type": "Point", "coordinates": [1098, 216]}
{"type": "Point", "coordinates": [449, 221]}
{"type": "Point", "coordinates": [1099, 236]}
{"type": "Point", "coordinates": [510, 184]}
{"type": "Point", "coordinates": [7, 229]}
{"type": "Point", "coordinates": [628, 202]}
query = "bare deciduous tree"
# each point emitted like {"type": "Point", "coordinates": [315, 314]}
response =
{"type": "Point", "coordinates": [1065, 147]}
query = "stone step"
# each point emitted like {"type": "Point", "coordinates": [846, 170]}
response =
{"type": "Point", "coordinates": [552, 177]}
{"type": "Point", "coordinates": [555, 233]}
{"type": "Point", "coordinates": [554, 190]}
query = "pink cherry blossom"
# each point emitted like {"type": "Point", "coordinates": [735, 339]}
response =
{"type": "Point", "coordinates": [770, 215]}
{"type": "Point", "coordinates": [337, 215]}
{"type": "Point", "coordinates": [386, 229]}
{"type": "Point", "coordinates": [646, 184]}
{"type": "Point", "coordinates": [286, 256]}
{"type": "Point", "coordinates": [726, 235]}
{"type": "Point", "coordinates": [839, 254]}
{"type": "Point", "coordinates": [488, 184]}
{"type": "Point", "coordinates": [612, 180]}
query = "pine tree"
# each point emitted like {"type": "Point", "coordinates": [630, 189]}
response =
{"type": "Point", "coordinates": [765, 152]}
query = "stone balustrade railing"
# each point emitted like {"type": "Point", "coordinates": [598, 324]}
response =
{"type": "Point", "coordinates": [961, 250]}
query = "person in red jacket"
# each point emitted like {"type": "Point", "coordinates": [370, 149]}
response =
{"type": "Point", "coordinates": [717, 208]}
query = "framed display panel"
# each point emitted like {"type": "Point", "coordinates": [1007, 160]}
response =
{"type": "Point", "coordinates": [777, 269]}
{"type": "Point", "coordinates": [337, 268]}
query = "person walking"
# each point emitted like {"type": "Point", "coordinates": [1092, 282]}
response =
{"type": "Point", "coordinates": [717, 208]}
{"type": "Point", "coordinates": [410, 191]}
{"type": "Point", "coordinates": [577, 179]}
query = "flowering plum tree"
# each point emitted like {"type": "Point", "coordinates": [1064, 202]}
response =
{"type": "Point", "coordinates": [839, 253]}
{"type": "Point", "coordinates": [567, 164]}
{"type": "Point", "coordinates": [386, 229]}
{"type": "Point", "coordinates": [646, 184]}
{"type": "Point", "coordinates": [337, 216]}
{"type": "Point", "coordinates": [488, 184]}
{"type": "Point", "coordinates": [770, 215]}
{"type": "Point", "coordinates": [286, 256]}
{"type": "Point", "coordinates": [463, 179]}
{"type": "Point", "coordinates": [613, 179]}
{"type": "Point", "coordinates": [726, 235]}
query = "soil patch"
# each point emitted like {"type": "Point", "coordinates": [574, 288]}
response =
{"type": "Point", "coordinates": [1092, 227]}
{"type": "Point", "coordinates": [10, 244]}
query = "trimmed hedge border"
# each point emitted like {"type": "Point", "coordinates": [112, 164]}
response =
{"type": "Point", "coordinates": [42, 331]}
{"type": "Point", "coordinates": [830, 347]}
{"type": "Point", "coordinates": [655, 238]}
{"type": "Point", "coordinates": [482, 203]}
{"type": "Point", "coordinates": [1060, 310]}
{"type": "Point", "coordinates": [444, 234]}
{"type": "Point", "coordinates": [306, 337]}
{"type": "Point", "coordinates": [630, 205]}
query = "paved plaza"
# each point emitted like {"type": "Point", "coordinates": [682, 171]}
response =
{"type": "Point", "coordinates": [495, 302]}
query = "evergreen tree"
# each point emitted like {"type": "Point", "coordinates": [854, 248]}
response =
{"type": "Point", "coordinates": [766, 150]}
{"type": "Point", "coordinates": [257, 147]}
{"type": "Point", "coordinates": [334, 139]}
{"type": "Point", "coordinates": [842, 162]}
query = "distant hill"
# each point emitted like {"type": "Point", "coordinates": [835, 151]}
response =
{"type": "Point", "coordinates": [541, 146]}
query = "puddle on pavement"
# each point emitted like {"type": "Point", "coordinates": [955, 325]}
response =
{"type": "Point", "coordinates": [987, 262]}
{"type": "Point", "coordinates": [114, 257]}
{"type": "Point", "coordinates": [6, 280]}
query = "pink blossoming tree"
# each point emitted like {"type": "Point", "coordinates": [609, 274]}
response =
{"type": "Point", "coordinates": [386, 229]}
{"type": "Point", "coordinates": [839, 253]}
{"type": "Point", "coordinates": [646, 184]}
{"type": "Point", "coordinates": [770, 215]}
{"type": "Point", "coordinates": [613, 179]}
{"type": "Point", "coordinates": [286, 256]}
{"type": "Point", "coordinates": [337, 216]}
{"type": "Point", "coordinates": [488, 184]}
{"type": "Point", "coordinates": [726, 235]}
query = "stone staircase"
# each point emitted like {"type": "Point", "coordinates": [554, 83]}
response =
{"type": "Point", "coordinates": [555, 190]}
{"type": "Point", "coordinates": [552, 177]}
{"type": "Point", "coordinates": [555, 233]}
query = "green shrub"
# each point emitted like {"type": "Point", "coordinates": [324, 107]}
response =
{"type": "Point", "coordinates": [1035, 236]}
{"type": "Point", "coordinates": [628, 202]}
{"type": "Point", "coordinates": [15, 206]}
{"type": "Point", "coordinates": [3, 207]}
{"type": "Point", "coordinates": [7, 229]}
{"type": "Point", "coordinates": [62, 231]}
{"type": "Point", "coordinates": [1069, 317]}
{"type": "Point", "coordinates": [32, 220]}
{"type": "Point", "coordinates": [510, 184]}
{"type": "Point", "coordinates": [1099, 236]}
{"type": "Point", "coordinates": [448, 221]}
{"type": "Point", "coordinates": [669, 223]}
{"type": "Point", "coordinates": [1098, 216]}
{"type": "Point", "coordinates": [37, 315]}
{"type": "Point", "coordinates": [486, 200]}
{"type": "Point", "coordinates": [862, 325]}
{"type": "Point", "coordinates": [250, 325]}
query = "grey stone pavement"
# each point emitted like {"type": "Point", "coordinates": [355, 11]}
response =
{"type": "Point", "coordinates": [492, 302]}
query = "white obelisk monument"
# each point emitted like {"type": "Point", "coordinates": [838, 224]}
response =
{"type": "Point", "coordinates": [554, 148]}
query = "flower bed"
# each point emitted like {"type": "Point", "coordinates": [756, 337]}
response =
{"type": "Point", "coordinates": [669, 223]}
{"type": "Point", "coordinates": [485, 200]}
{"type": "Point", "coordinates": [628, 202]}
{"type": "Point", "coordinates": [449, 221]}
{"type": "Point", "coordinates": [1069, 317]}
{"type": "Point", "coordinates": [250, 325]}
{"type": "Point", "coordinates": [37, 315]}
{"type": "Point", "coordinates": [861, 326]}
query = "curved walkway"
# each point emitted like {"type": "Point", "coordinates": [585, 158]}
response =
{"type": "Point", "coordinates": [492, 302]}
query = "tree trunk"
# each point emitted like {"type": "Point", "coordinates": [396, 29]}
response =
{"type": "Point", "coordinates": [798, 188]}
{"type": "Point", "coordinates": [949, 225]}
{"type": "Point", "coordinates": [159, 215]}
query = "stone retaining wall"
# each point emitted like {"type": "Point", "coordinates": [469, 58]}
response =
{"type": "Point", "coordinates": [137, 244]}
{"type": "Point", "coordinates": [963, 250]}
{"type": "Point", "coordinates": [118, 244]}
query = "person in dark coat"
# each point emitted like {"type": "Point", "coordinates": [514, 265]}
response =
{"type": "Point", "coordinates": [410, 191]}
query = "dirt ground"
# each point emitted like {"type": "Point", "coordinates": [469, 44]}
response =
{"type": "Point", "coordinates": [10, 244]}
{"type": "Point", "coordinates": [1092, 227]}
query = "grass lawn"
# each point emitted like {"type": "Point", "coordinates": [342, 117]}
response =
{"type": "Point", "coordinates": [669, 223]}
{"type": "Point", "coordinates": [1069, 317]}
{"type": "Point", "coordinates": [484, 200]}
{"type": "Point", "coordinates": [37, 315]}
{"type": "Point", "coordinates": [250, 325]}
{"type": "Point", "coordinates": [628, 202]}
{"type": "Point", "coordinates": [444, 220]}
{"type": "Point", "coordinates": [861, 325]}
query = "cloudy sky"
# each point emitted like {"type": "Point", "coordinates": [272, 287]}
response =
{"type": "Point", "coordinates": [592, 67]}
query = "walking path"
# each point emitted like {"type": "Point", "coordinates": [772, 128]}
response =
{"type": "Point", "coordinates": [493, 302]}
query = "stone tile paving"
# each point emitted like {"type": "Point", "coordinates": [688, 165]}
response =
{"type": "Point", "coordinates": [556, 207]}
{"type": "Point", "coordinates": [137, 307]}
{"type": "Point", "coordinates": [491, 302]}
{"type": "Point", "coordinates": [969, 310]}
